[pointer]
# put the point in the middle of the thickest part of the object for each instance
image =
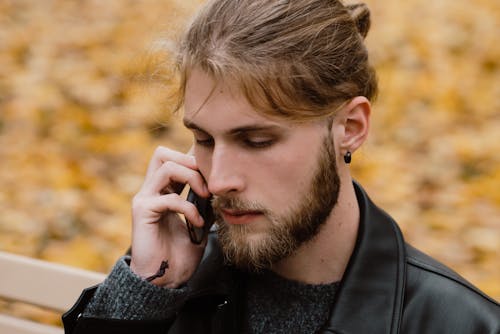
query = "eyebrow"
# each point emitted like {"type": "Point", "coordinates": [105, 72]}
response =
{"type": "Point", "coordinates": [236, 131]}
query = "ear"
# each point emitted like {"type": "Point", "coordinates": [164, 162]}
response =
{"type": "Point", "coordinates": [355, 118]}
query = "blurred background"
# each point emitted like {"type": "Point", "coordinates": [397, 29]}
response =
{"type": "Point", "coordinates": [82, 108]}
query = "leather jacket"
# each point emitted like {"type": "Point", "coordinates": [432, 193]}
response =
{"type": "Point", "coordinates": [388, 287]}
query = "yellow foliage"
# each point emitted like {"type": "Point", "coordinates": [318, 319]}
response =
{"type": "Point", "coordinates": [82, 109]}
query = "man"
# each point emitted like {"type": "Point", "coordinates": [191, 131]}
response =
{"type": "Point", "coordinates": [277, 95]}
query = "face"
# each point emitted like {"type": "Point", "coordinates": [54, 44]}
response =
{"type": "Point", "coordinates": [274, 183]}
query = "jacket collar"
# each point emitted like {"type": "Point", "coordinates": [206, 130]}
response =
{"type": "Point", "coordinates": [370, 295]}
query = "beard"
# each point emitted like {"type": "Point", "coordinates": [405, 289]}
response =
{"type": "Point", "coordinates": [286, 232]}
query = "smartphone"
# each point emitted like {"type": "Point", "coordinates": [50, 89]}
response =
{"type": "Point", "coordinates": [197, 234]}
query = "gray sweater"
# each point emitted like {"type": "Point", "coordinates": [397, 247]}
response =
{"type": "Point", "coordinates": [273, 304]}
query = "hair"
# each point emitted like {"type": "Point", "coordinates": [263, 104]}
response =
{"type": "Point", "coordinates": [299, 59]}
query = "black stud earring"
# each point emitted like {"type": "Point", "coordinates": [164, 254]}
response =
{"type": "Point", "coordinates": [347, 157]}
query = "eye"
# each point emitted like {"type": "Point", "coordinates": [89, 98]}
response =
{"type": "Point", "coordinates": [257, 140]}
{"type": "Point", "coordinates": [203, 139]}
{"type": "Point", "coordinates": [258, 143]}
{"type": "Point", "coordinates": [206, 142]}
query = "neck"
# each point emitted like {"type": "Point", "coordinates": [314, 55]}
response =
{"type": "Point", "coordinates": [324, 258]}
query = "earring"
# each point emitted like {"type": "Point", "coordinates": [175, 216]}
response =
{"type": "Point", "coordinates": [347, 157]}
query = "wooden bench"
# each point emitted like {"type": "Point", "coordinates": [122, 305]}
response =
{"type": "Point", "coordinates": [41, 283]}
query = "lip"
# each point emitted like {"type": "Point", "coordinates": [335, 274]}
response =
{"type": "Point", "coordinates": [236, 217]}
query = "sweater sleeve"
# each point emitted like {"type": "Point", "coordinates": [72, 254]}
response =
{"type": "Point", "coordinates": [124, 295]}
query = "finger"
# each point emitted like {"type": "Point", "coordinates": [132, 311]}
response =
{"type": "Point", "coordinates": [167, 178]}
{"type": "Point", "coordinates": [163, 154]}
{"type": "Point", "coordinates": [175, 203]}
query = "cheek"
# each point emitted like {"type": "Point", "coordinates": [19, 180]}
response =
{"type": "Point", "coordinates": [288, 177]}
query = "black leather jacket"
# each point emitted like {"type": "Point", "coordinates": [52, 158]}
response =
{"type": "Point", "coordinates": [389, 287]}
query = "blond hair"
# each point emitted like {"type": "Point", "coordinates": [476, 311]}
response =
{"type": "Point", "coordinates": [299, 59]}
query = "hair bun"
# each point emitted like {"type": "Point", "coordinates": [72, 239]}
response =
{"type": "Point", "coordinates": [361, 17]}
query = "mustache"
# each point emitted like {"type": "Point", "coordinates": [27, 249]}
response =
{"type": "Point", "coordinates": [235, 203]}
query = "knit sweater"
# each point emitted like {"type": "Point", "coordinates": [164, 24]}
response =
{"type": "Point", "coordinates": [278, 305]}
{"type": "Point", "coordinates": [273, 304]}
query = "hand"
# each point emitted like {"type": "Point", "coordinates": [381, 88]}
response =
{"type": "Point", "coordinates": [158, 233]}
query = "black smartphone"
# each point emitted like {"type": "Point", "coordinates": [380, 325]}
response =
{"type": "Point", "coordinates": [197, 234]}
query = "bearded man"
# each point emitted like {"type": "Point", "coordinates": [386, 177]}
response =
{"type": "Point", "coordinates": [278, 97]}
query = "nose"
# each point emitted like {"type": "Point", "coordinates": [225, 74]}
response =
{"type": "Point", "coordinates": [225, 175]}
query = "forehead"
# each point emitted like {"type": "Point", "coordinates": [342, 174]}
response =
{"type": "Point", "coordinates": [219, 102]}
